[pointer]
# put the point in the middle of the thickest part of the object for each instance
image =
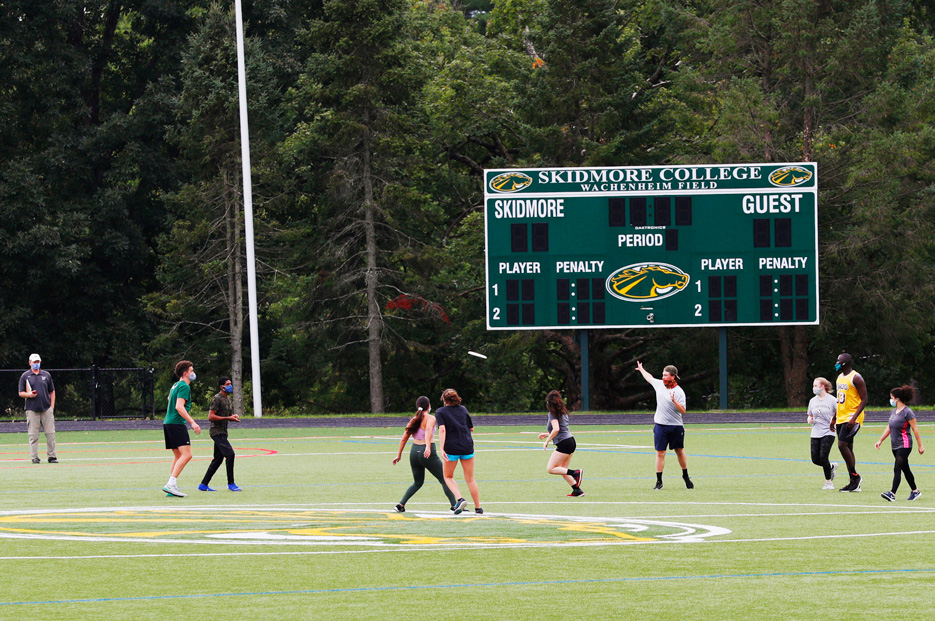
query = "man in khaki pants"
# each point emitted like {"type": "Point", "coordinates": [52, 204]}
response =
{"type": "Point", "coordinates": [35, 385]}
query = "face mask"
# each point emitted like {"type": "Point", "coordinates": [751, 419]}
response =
{"type": "Point", "coordinates": [893, 402]}
{"type": "Point", "coordinates": [670, 383]}
{"type": "Point", "coordinates": [817, 391]}
{"type": "Point", "coordinates": [228, 389]}
{"type": "Point", "coordinates": [35, 366]}
{"type": "Point", "coordinates": [192, 376]}
{"type": "Point", "coordinates": [837, 366]}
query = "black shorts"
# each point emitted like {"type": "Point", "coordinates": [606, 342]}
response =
{"type": "Point", "coordinates": [668, 436]}
{"type": "Point", "coordinates": [845, 435]}
{"type": "Point", "coordinates": [566, 446]}
{"type": "Point", "coordinates": [176, 436]}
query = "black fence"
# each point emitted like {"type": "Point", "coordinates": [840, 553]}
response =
{"type": "Point", "coordinates": [94, 393]}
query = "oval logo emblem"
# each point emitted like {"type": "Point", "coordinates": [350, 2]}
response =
{"type": "Point", "coordinates": [790, 176]}
{"type": "Point", "coordinates": [646, 281]}
{"type": "Point", "coordinates": [510, 182]}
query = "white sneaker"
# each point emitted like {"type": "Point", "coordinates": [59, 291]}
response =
{"type": "Point", "coordinates": [828, 485]}
{"type": "Point", "coordinates": [174, 491]}
{"type": "Point", "coordinates": [834, 468]}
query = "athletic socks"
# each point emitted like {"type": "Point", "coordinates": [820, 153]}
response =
{"type": "Point", "coordinates": [658, 477]}
{"type": "Point", "coordinates": [684, 473]}
{"type": "Point", "coordinates": [172, 481]}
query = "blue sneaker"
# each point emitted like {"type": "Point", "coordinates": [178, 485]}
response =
{"type": "Point", "coordinates": [204, 488]}
{"type": "Point", "coordinates": [914, 495]}
{"type": "Point", "coordinates": [459, 506]}
{"type": "Point", "coordinates": [233, 487]}
{"type": "Point", "coordinates": [889, 496]}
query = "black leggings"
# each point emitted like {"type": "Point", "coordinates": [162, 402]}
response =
{"type": "Point", "coordinates": [821, 448]}
{"type": "Point", "coordinates": [419, 464]}
{"type": "Point", "coordinates": [902, 467]}
{"type": "Point", "coordinates": [222, 449]}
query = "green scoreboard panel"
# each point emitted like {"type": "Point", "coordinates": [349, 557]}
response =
{"type": "Point", "coordinates": [654, 246]}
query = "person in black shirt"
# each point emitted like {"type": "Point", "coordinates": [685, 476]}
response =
{"type": "Point", "coordinates": [219, 413]}
{"type": "Point", "coordinates": [454, 432]}
{"type": "Point", "coordinates": [36, 387]}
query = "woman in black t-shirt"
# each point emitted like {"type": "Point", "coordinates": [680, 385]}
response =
{"type": "Point", "coordinates": [454, 433]}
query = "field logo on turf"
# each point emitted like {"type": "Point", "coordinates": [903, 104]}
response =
{"type": "Point", "coordinates": [341, 528]}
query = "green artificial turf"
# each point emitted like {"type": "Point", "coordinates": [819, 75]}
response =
{"type": "Point", "coordinates": [313, 534]}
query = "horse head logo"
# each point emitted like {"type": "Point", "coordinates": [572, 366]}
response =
{"type": "Point", "coordinates": [646, 281]}
{"type": "Point", "coordinates": [789, 176]}
{"type": "Point", "coordinates": [510, 182]}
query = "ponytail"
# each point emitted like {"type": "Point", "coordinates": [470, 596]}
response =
{"type": "Point", "coordinates": [423, 405]}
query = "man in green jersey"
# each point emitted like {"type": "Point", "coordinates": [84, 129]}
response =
{"type": "Point", "coordinates": [177, 414]}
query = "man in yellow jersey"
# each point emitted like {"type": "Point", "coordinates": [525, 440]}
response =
{"type": "Point", "coordinates": [852, 399]}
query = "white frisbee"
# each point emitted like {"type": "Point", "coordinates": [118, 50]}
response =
{"type": "Point", "coordinates": [474, 353]}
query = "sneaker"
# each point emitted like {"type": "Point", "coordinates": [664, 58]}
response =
{"type": "Point", "coordinates": [889, 496]}
{"type": "Point", "coordinates": [576, 492]}
{"type": "Point", "coordinates": [233, 487]}
{"type": "Point", "coordinates": [173, 490]}
{"type": "Point", "coordinates": [578, 476]}
{"type": "Point", "coordinates": [459, 506]}
{"type": "Point", "coordinates": [689, 484]}
{"type": "Point", "coordinates": [478, 511]}
{"type": "Point", "coordinates": [53, 460]}
{"type": "Point", "coordinates": [914, 495]}
{"type": "Point", "coordinates": [36, 460]}
{"type": "Point", "coordinates": [204, 488]}
{"type": "Point", "coordinates": [828, 485]}
{"type": "Point", "coordinates": [658, 485]}
{"type": "Point", "coordinates": [834, 469]}
{"type": "Point", "coordinates": [400, 509]}
{"type": "Point", "coordinates": [856, 487]}
{"type": "Point", "coordinates": [451, 508]}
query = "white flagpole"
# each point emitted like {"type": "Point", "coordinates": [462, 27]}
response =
{"type": "Point", "coordinates": [248, 217]}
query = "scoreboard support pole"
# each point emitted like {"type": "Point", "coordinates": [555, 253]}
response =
{"type": "Point", "coordinates": [722, 347]}
{"type": "Point", "coordinates": [583, 339]}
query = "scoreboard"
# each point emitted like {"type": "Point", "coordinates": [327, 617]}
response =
{"type": "Point", "coordinates": [652, 246]}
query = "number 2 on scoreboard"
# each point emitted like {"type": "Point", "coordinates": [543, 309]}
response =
{"type": "Point", "coordinates": [496, 312]}
{"type": "Point", "coordinates": [697, 310]}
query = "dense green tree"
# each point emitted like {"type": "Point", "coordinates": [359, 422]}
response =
{"type": "Point", "coordinates": [82, 164]}
{"type": "Point", "coordinates": [202, 303]}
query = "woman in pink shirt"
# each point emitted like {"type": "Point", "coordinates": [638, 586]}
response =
{"type": "Point", "coordinates": [422, 456]}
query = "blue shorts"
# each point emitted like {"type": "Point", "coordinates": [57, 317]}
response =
{"type": "Point", "coordinates": [669, 436]}
{"type": "Point", "coordinates": [457, 457]}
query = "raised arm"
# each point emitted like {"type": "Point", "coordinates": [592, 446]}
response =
{"type": "Point", "coordinates": [646, 374]}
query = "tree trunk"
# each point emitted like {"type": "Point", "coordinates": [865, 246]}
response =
{"type": "Point", "coordinates": [794, 339]}
{"type": "Point", "coordinates": [374, 316]}
{"type": "Point", "coordinates": [793, 342]}
{"type": "Point", "coordinates": [234, 230]}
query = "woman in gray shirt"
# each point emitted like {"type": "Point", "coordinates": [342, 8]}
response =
{"type": "Point", "coordinates": [822, 410]}
{"type": "Point", "coordinates": [564, 443]}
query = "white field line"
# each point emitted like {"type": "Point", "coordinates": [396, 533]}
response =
{"type": "Point", "coordinates": [448, 548]}
{"type": "Point", "coordinates": [642, 429]}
